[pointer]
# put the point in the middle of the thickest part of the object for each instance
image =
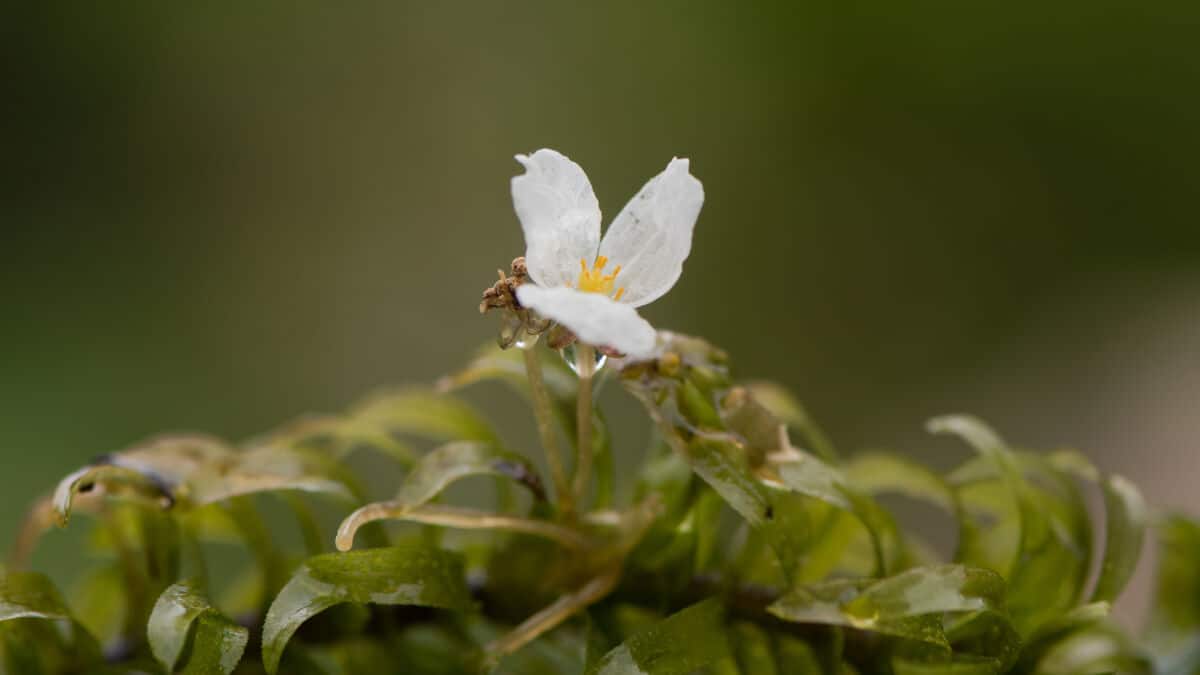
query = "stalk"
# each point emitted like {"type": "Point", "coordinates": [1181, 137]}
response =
{"type": "Point", "coordinates": [585, 361]}
{"type": "Point", "coordinates": [543, 410]}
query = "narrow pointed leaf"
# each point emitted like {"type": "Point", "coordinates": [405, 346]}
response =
{"type": "Point", "coordinates": [682, 643]}
{"type": "Point", "coordinates": [425, 413]}
{"type": "Point", "coordinates": [391, 576]}
{"type": "Point", "coordinates": [338, 436]}
{"type": "Point", "coordinates": [269, 469]}
{"type": "Point", "coordinates": [508, 365]}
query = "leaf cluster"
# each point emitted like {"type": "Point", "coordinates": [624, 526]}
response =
{"type": "Point", "coordinates": [744, 543]}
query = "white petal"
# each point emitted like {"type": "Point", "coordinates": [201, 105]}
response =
{"type": "Point", "coordinates": [594, 318]}
{"type": "Point", "coordinates": [560, 216]}
{"type": "Point", "coordinates": [652, 235]}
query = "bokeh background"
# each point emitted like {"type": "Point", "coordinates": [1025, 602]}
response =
{"type": "Point", "coordinates": [217, 216]}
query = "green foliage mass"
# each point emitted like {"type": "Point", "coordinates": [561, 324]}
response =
{"type": "Point", "coordinates": [744, 544]}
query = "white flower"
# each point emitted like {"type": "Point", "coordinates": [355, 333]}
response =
{"type": "Point", "coordinates": [645, 246]}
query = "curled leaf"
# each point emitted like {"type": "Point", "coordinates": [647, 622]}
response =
{"type": "Point", "coordinates": [114, 480]}
{"type": "Point", "coordinates": [1048, 565]}
{"type": "Point", "coordinates": [456, 517]}
{"type": "Point", "coordinates": [455, 461]}
{"type": "Point", "coordinates": [391, 576]}
{"type": "Point", "coordinates": [1125, 529]}
{"type": "Point", "coordinates": [182, 612]}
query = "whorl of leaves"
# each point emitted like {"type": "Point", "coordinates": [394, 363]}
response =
{"type": "Point", "coordinates": [746, 544]}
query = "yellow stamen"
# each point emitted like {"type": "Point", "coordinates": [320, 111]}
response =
{"type": "Point", "coordinates": [595, 280]}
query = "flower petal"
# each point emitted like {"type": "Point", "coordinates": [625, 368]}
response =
{"type": "Point", "coordinates": [560, 215]}
{"type": "Point", "coordinates": [594, 318]}
{"type": "Point", "coordinates": [652, 235]}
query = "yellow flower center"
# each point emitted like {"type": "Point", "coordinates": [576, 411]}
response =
{"type": "Point", "coordinates": [595, 280]}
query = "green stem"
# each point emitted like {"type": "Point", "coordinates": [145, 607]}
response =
{"type": "Point", "coordinates": [585, 361]}
{"type": "Point", "coordinates": [543, 410]}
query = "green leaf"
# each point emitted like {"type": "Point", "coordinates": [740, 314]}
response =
{"type": "Point", "coordinates": [426, 413]}
{"type": "Point", "coordinates": [268, 469]}
{"type": "Point", "coordinates": [788, 408]}
{"type": "Point", "coordinates": [30, 595]}
{"type": "Point", "coordinates": [455, 461]}
{"type": "Point", "coordinates": [680, 644]}
{"type": "Point", "coordinates": [879, 473]}
{"type": "Point", "coordinates": [1049, 564]}
{"type": "Point", "coordinates": [1099, 649]}
{"type": "Point", "coordinates": [721, 465]}
{"type": "Point", "coordinates": [805, 474]}
{"type": "Point", "coordinates": [752, 646]}
{"type": "Point", "coordinates": [217, 646]}
{"type": "Point", "coordinates": [508, 365]}
{"type": "Point", "coordinates": [909, 605]}
{"type": "Point", "coordinates": [37, 632]}
{"type": "Point", "coordinates": [960, 665]}
{"type": "Point", "coordinates": [337, 437]}
{"type": "Point", "coordinates": [113, 480]}
{"type": "Point", "coordinates": [1174, 635]}
{"type": "Point", "coordinates": [391, 576]}
{"type": "Point", "coordinates": [1125, 530]}
{"type": "Point", "coordinates": [217, 642]}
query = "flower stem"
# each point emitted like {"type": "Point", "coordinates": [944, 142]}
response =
{"type": "Point", "coordinates": [543, 410]}
{"type": "Point", "coordinates": [585, 361]}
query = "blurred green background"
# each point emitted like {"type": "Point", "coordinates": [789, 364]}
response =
{"type": "Point", "coordinates": [219, 216]}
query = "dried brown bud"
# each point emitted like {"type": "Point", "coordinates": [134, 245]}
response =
{"type": "Point", "coordinates": [503, 293]}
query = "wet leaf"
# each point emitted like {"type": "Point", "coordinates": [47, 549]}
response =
{"type": "Point", "coordinates": [217, 643]}
{"type": "Point", "coordinates": [391, 576]}
{"type": "Point", "coordinates": [217, 646]}
{"type": "Point", "coordinates": [909, 605]}
{"type": "Point", "coordinates": [680, 644]}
